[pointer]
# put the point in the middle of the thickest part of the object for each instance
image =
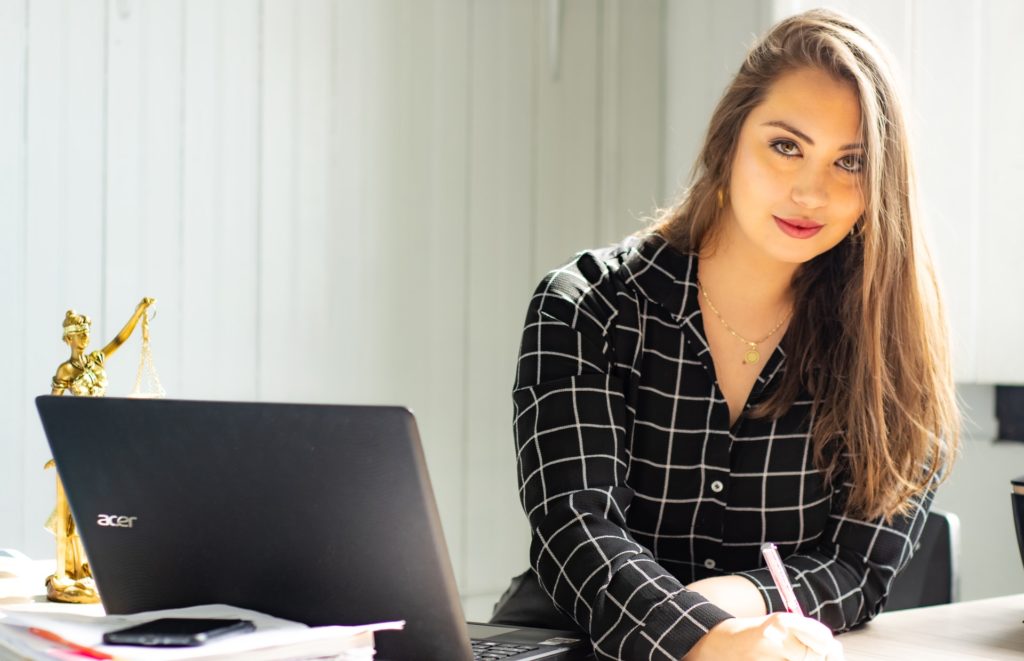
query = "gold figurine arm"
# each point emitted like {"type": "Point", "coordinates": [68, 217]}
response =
{"type": "Point", "coordinates": [126, 332]}
{"type": "Point", "coordinates": [57, 387]}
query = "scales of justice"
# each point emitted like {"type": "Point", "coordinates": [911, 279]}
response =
{"type": "Point", "coordinates": [83, 375]}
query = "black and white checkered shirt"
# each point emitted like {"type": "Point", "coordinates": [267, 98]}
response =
{"type": "Point", "coordinates": [635, 485]}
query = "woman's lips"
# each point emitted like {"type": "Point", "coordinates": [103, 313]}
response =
{"type": "Point", "coordinates": [797, 228]}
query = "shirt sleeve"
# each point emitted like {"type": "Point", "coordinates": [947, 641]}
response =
{"type": "Point", "coordinates": [846, 579]}
{"type": "Point", "coordinates": [572, 454]}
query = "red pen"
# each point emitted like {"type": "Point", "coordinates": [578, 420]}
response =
{"type": "Point", "coordinates": [81, 649]}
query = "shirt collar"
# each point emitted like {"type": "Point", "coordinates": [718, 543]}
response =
{"type": "Point", "coordinates": [668, 278]}
{"type": "Point", "coordinates": [664, 275]}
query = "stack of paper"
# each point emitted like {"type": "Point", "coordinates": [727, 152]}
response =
{"type": "Point", "coordinates": [274, 639]}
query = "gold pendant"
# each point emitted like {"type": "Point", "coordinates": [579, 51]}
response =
{"type": "Point", "coordinates": [751, 357]}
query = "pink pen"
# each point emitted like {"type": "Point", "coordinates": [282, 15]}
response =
{"type": "Point", "coordinates": [778, 572]}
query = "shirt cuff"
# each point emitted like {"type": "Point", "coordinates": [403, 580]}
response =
{"type": "Point", "coordinates": [762, 579]}
{"type": "Point", "coordinates": [683, 629]}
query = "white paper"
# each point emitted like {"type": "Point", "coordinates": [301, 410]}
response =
{"type": "Point", "coordinates": [274, 638]}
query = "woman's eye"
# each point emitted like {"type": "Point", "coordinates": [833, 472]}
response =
{"type": "Point", "coordinates": [851, 163]}
{"type": "Point", "coordinates": [786, 148]}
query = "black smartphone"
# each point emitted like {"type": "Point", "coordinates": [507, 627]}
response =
{"type": "Point", "coordinates": [176, 632]}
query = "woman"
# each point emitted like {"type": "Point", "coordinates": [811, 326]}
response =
{"type": "Point", "coordinates": [768, 363]}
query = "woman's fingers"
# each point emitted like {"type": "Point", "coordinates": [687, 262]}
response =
{"type": "Point", "coordinates": [776, 636]}
{"type": "Point", "coordinates": [802, 638]}
{"type": "Point", "coordinates": [819, 639]}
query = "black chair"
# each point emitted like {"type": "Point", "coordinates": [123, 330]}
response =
{"type": "Point", "coordinates": [933, 575]}
{"type": "Point", "coordinates": [1017, 500]}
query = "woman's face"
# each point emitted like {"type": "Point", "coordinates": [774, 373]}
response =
{"type": "Point", "coordinates": [795, 187]}
{"type": "Point", "coordinates": [79, 340]}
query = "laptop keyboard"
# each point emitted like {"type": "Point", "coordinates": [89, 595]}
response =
{"type": "Point", "coordinates": [486, 650]}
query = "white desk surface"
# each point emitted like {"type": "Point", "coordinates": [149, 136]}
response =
{"type": "Point", "coordinates": [983, 629]}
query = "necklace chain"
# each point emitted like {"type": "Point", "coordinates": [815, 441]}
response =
{"type": "Point", "coordinates": [752, 355]}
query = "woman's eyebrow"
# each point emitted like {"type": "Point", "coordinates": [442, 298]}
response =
{"type": "Point", "coordinates": [806, 138]}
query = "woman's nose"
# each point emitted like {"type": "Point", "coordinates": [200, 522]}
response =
{"type": "Point", "coordinates": [810, 189]}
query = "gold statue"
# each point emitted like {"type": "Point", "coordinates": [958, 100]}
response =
{"type": "Point", "coordinates": [83, 375]}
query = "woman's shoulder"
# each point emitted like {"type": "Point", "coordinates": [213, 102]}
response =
{"type": "Point", "coordinates": [597, 286]}
{"type": "Point", "coordinates": [593, 268]}
{"type": "Point", "coordinates": [65, 372]}
{"type": "Point", "coordinates": [625, 268]}
{"type": "Point", "coordinates": [585, 287]}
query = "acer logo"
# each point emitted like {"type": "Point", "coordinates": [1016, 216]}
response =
{"type": "Point", "coordinates": [116, 520]}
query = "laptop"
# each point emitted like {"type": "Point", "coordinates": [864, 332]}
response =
{"type": "Point", "coordinates": [316, 513]}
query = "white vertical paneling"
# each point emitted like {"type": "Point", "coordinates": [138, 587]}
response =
{"type": "Point", "coordinates": [124, 228]}
{"type": "Point", "coordinates": [633, 115]}
{"type": "Point", "coordinates": [610, 82]}
{"type": "Point", "coordinates": [64, 253]}
{"type": "Point", "coordinates": [506, 52]}
{"type": "Point", "coordinates": [238, 143]}
{"type": "Point", "coordinates": [203, 256]}
{"type": "Point", "coordinates": [392, 152]}
{"type": "Point", "coordinates": [372, 251]}
{"type": "Point", "coordinates": [705, 45]}
{"type": "Point", "coordinates": [566, 156]}
{"type": "Point", "coordinates": [218, 206]}
{"type": "Point", "coordinates": [83, 130]}
{"type": "Point", "coordinates": [13, 17]}
{"type": "Point", "coordinates": [143, 183]}
{"type": "Point", "coordinates": [160, 86]}
{"type": "Point", "coordinates": [949, 196]}
{"type": "Point", "coordinates": [1000, 285]}
{"type": "Point", "coordinates": [688, 99]}
{"type": "Point", "coordinates": [349, 225]}
{"type": "Point", "coordinates": [397, 220]}
{"type": "Point", "coordinates": [299, 346]}
{"type": "Point", "coordinates": [310, 223]}
{"type": "Point", "coordinates": [442, 86]}
{"type": "Point", "coordinates": [780, 9]}
{"type": "Point", "coordinates": [279, 341]}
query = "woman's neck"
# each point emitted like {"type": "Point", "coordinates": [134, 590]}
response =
{"type": "Point", "coordinates": [748, 287]}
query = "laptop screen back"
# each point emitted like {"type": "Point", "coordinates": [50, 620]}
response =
{"type": "Point", "coordinates": [320, 514]}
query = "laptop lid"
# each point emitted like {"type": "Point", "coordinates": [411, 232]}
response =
{"type": "Point", "coordinates": [315, 513]}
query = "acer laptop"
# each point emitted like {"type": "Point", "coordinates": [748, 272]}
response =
{"type": "Point", "coordinates": [315, 513]}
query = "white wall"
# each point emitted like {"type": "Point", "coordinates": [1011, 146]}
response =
{"type": "Point", "coordinates": [705, 44]}
{"type": "Point", "coordinates": [333, 201]}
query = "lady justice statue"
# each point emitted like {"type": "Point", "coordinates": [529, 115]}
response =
{"type": "Point", "coordinates": [82, 375]}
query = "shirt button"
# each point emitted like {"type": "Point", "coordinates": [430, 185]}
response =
{"type": "Point", "coordinates": [717, 486]}
{"type": "Point", "coordinates": [709, 563]}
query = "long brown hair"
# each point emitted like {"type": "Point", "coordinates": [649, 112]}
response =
{"type": "Point", "coordinates": [868, 338]}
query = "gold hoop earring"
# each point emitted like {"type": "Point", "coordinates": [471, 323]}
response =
{"type": "Point", "coordinates": [721, 199]}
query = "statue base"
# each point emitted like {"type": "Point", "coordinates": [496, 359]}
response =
{"type": "Point", "coordinates": [67, 590]}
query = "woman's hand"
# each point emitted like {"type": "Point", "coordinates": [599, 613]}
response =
{"type": "Point", "coordinates": [776, 636]}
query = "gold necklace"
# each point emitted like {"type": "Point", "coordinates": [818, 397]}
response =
{"type": "Point", "coordinates": [752, 355]}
